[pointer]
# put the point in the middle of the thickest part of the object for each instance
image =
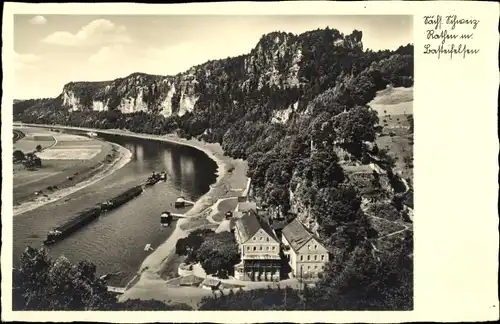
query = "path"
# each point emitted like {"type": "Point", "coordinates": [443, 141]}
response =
{"type": "Point", "coordinates": [17, 135]}
{"type": "Point", "coordinates": [215, 210]}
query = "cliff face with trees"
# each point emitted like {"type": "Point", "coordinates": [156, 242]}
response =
{"type": "Point", "coordinates": [295, 108]}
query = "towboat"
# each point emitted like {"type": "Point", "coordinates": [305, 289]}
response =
{"type": "Point", "coordinates": [155, 177]}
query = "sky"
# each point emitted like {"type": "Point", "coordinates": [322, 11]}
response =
{"type": "Point", "coordinates": [52, 50]}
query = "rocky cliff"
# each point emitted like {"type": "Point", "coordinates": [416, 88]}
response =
{"type": "Point", "coordinates": [266, 106]}
{"type": "Point", "coordinates": [279, 60]}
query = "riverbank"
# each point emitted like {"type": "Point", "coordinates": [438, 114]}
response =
{"type": "Point", "coordinates": [231, 182]}
{"type": "Point", "coordinates": [228, 184]}
{"type": "Point", "coordinates": [65, 169]}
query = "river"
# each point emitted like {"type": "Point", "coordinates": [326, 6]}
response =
{"type": "Point", "coordinates": [115, 242]}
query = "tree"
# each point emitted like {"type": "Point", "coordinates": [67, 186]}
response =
{"type": "Point", "coordinates": [18, 155]}
{"type": "Point", "coordinates": [409, 118]}
{"type": "Point", "coordinates": [150, 305]}
{"type": "Point", "coordinates": [43, 284]}
{"type": "Point", "coordinates": [218, 254]}
{"type": "Point", "coordinates": [262, 299]}
{"type": "Point", "coordinates": [408, 162]}
{"type": "Point", "coordinates": [356, 126]}
{"type": "Point", "coordinates": [321, 168]}
{"type": "Point", "coordinates": [40, 283]}
{"type": "Point", "coordinates": [190, 245]}
{"type": "Point", "coordinates": [342, 223]}
{"type": "Point", "coordinates": [32, 161]}
{"type": "Point", "coordinates": [366, 280]}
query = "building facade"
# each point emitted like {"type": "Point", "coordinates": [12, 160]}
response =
{"type": "Point", "coordinates": [304, 251]}
{"type": "Point", "coordinates": [259, 249]}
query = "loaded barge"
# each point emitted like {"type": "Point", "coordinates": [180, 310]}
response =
{"type": "Point", "coordinates": [83, 218]}
{"type": "Point", "coordinates": [72, 225]}
{"type": "Point", "coordinates": [121, 198]}
{"type": "Point", "coordinates": [89, 215]}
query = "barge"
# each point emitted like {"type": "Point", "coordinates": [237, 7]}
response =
{"type": "Point", "coordinates": [72, 225]}
{"type": "Point", "coordinates": [121, 198]}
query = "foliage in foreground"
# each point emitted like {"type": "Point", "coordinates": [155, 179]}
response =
{"type": "Point", "coordinates": [41, 283]}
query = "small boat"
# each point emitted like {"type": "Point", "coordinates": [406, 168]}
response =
{"type": "Point", "coordinates": [180, 202]}
{"type": "Point", "coordinates": [166, 219]}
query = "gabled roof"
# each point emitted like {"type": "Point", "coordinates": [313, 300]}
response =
{"type": "Point", "coordinates": [210, 282]}
{"type": "Point", "coordinates": [297, 235]}
{"type": "Point", "coordinates": [249, 224]}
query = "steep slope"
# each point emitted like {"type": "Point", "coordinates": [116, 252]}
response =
{"type": "Point", "coordinates": [297, 109]}
{"type": "Point", "coordinates": [291, 92]}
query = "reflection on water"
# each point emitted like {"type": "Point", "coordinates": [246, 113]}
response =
{"type": "Point", "coordinates": [115, 242]}
{"type": "Point", "coordinates": [183, 170]}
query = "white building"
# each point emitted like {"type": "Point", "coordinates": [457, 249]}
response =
{"type": "Point", "coordinates": [305, 253]}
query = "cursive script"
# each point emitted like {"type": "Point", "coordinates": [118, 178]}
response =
{"type": "Point", "coordinates": [449, 36]}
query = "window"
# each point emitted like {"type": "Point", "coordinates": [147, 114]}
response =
{"type": "Point", "coordinates": [322, 258]}
{"type": "Point", "coordinates": [248, 248]}
{"type": "Point", "coordinates": [315, 267]}
{"type": "Point", "coordinates": [260, 248]}
{"type": "Point", "coordinates": [274, 248]}
{"type": "Point", "coordinates": [254, 248]}
{"type": "Point", "coordinates": [301, 258]}
{"type": "Point", "coordinates": [308, 267]}
{"type": "Point", "coordinates": [267, 239]}
{"type": "Point", "coordinates": [308, 257]}
{"type": "Point", "coordinates": [254, 238]}
{"type": "Point", "coordinates": [260, 238]}
{"type": "Point", "coordinates": [315, 247]}
{"type": "Point", "coordinates": [315, 257]}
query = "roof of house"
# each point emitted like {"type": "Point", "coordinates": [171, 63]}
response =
{"type": "Point", "coordinates": [297, 235]}
{"type": "Point", "coordinates": [249, 224]}
{"type": "Point", "coordinates": [224, 226]}
{"type": "Point", "coordinates": [211, 282]}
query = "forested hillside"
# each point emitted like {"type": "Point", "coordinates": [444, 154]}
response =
{"type": "Point", "coordinates": [296, 108]}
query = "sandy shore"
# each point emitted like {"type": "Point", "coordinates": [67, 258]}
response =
{"type": "Point", "coordinates": [124, 156]}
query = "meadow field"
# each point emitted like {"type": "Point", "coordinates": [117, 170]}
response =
{"type": "Point", "coordinates": [66, 160]}
{"type": "Point", "coordinates": [395, 110]}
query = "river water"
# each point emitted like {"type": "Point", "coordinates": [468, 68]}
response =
{"type": "Point", "coordinates": [115, 242]}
